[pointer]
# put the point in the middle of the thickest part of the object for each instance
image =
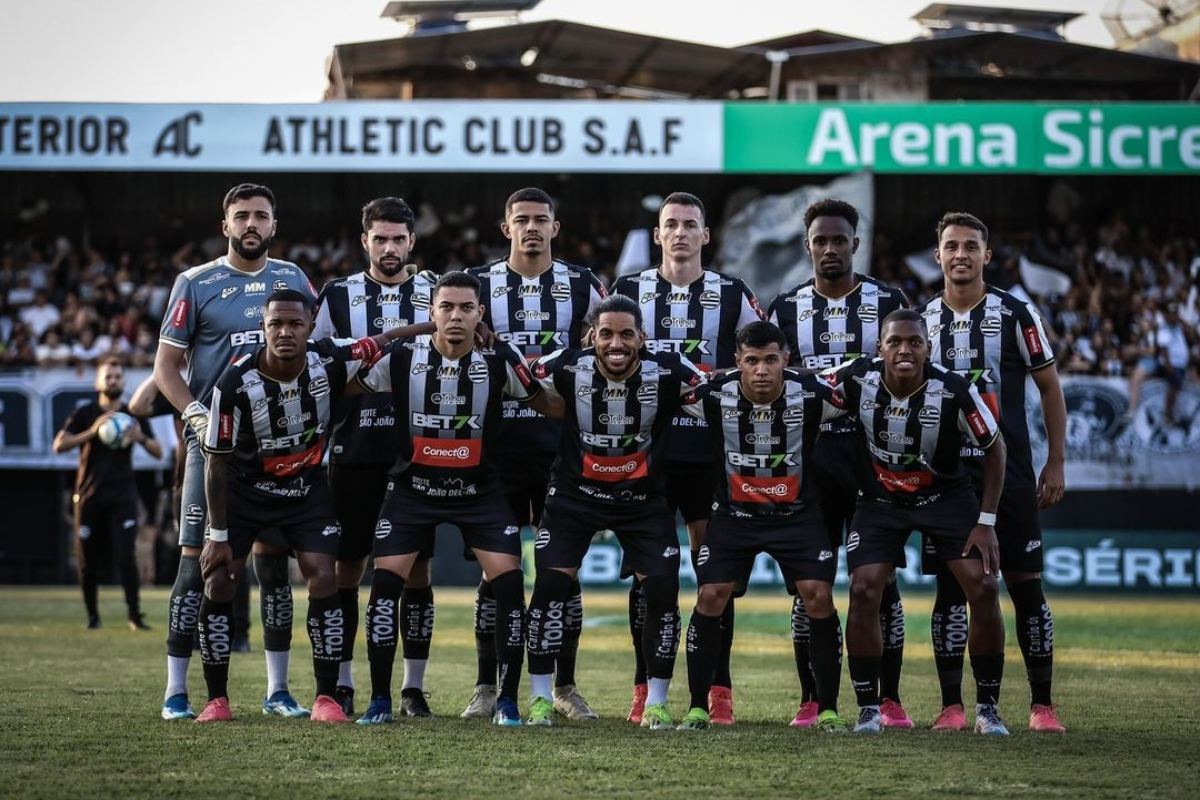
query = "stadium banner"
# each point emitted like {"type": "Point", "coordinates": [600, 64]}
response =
{"type": "Point", "coordinates": [422, 136]}
{"type": "Point", "coordinates": [1042, 138]}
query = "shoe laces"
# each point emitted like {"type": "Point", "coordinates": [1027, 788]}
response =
{"type": "Point", "coordinates": [866, 715]}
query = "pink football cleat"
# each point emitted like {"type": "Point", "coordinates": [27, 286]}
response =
{"type": "Point", "coordinates": [806, 717]}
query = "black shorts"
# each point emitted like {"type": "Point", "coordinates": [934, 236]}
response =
{"type": "Point", "coordinates": [797, 543]}
{"type": "Point", "coordinates": [358, 492]}
{"type": "Point", "coordinates": [690, 489]}
{"type": "Point", "coordinates": [646, 533]}
{"type": "Point", "coordinates": [407, 524]}
{"type": "Point", "coordinates": [302, 524]}
{"type": "Point", "coordinates": [525, 479]}
{"type": "Point", "coordinates": [834, 456]}
{"type": "Point", "coordinates": [1018, 529]}
{"type": "Point", "coordinates": [879, 530]}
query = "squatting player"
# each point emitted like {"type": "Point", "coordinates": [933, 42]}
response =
{"type": "Point", "coordinates": [913, 415]}
{"type": "Point", "coordinates": [268, 430]}
{"type": "Point", "coordinates": [367, 303]}
{"type": "Point", "coordinates": [618, 406]}
{"type": "Point", "coordinates": [537, 304]}
{"type": "Point", "coordinates": [763, 422]}
{"type": "Point", "coordinates": [213, 318]}
{"type": "Point", "coordinates": [694, 312]}
{"type": "Point", "coordinates": [996, 340]}
{"type": "Point", "coordinates": [447, 400]}
{"type": "Point", "coordinates": [828, 320]}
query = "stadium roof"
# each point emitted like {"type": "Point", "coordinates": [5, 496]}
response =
{"type": "Point", "coordinates": [941, 15]}
{"type": "Point", "coordinates": [813, 38]}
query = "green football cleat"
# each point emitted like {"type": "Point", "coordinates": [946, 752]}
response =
{"type": "Point", "coordinates": [830, 721]}
{"type": "Point", "coordinates": [658, 718]}
{"type": "Point", "coordinates": [696, 720]}
{"type": "Point", "coordinates": [541, 712]}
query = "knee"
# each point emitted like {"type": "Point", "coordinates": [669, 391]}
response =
{"type": "Point", "coordinates": [219, 587]}
{"type": "Point", "coordinates": [712, 598]}
{"type": "Point", "coordinates": [983, 594]}
{"type": "Point", "coordinates": [820, 601]}
{"type": "Point", "coordinates": [661, 591]}
{"type": "Point", "coordinates": [864, 591]}
{"type": "Point", "coordinates": [322, 582]}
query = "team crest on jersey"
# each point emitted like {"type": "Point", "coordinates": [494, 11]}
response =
{"type": "Point", "coordinates": [477, 372]}
{"type": "Point", "coordinates": [561, 292]}
{"type": "Point", "coordinates": [647, 394]}
{"type": "Point", "coordinates": [529, 290]}
{"type": "Point", "coordinates": [280, 285]}
{"type": "Point", "coordinates": [710, 300]}
{"type": "Point", "coordinates": [794, 416]}
{"type": "Point", "coordinates": [318, 386]}
{"type": "Point", "coordinates": [868, 312]}
{"type": "Point", "coordinates": [960, 326]}
{"type": "Point", "coordinates": [420, 301]}
{"type": "Point", "coordinates": [990, 326]}
{"type": "Point", "coordinates": [929, 416]}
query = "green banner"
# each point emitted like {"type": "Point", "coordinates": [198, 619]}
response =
{"type": "Point", "coordinates": [1043, 138]}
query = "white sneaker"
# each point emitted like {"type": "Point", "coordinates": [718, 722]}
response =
{"type": "Point", "coordinates": [570, 703]}
{"type": "Point", "coordinates": [483, 702]}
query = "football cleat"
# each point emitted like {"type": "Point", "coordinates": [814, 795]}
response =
{"type": "Point", "coordinates": [869, 720]}
{"type": "Point", "coordinates": [657, 718]}
{"type": "Point", "coordinates": [138, 623]}
{"type": "Point", "coordinates": [93, 623]}
{"type": "Point", "coordinates": [1044, 719]}
{"type": "Point", "coordinates": [806, 717]}
{"type": "Point", "coordinates": [282, 704]}
{"type": "Point", "coordinates": [326, 709]}
{"type": "Point", "coordinates": [217, 710]}
{"type": "Point", "coordinates": [413, 704]}
{"type": "Point", "coordinates": [541, 712]}
{"type": "Point", "coordinates": [379, 712]}
{"type": "Point", "coordinates": [638, 706]}
{"type": "Point", "coordinates": [830, 722]}
{"type": "Point", "coordinates": [570, 703]}
{"type": "Point", "coordinates": [988, 722]}
{"type": "Point", "coordinates": [894, 715]}
{"type": "Point", "coordinates": [482, 703]}
{"type": "Point", "coordinates": [345, 697]}
{"type": "Point", "coordinates": [696, 720]}
{"type": "Point", "coordinates": [177, 707]}
{"type": "Point", "coordinates": [952, 718]}
{"type": "Point", "coordinates": [507, 714]}
{"type": "Point", "coordinates": [720, 705]}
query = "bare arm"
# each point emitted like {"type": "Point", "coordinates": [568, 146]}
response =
{"type": "Point", "coordinates": [216, 553]}
{"type": "Point", "coordinates": [167, 363]}
{"type": "Point", "coordinates": [1052, 482]}
{"type": "Point", "coordinates": [64, 441]}
{"type": "Point", "coordinates": [148, 442]}
{"type": "Point", "coordinates": [142, 402]}
{"type": "Point", "coordinates": [547, 404]}
{"type": "Point", "coordinates": [983, 536]}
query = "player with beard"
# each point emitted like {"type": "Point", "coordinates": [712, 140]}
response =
{"type": "Point", "coordinates": [619, 402]}
{"type": "Point", "coordinates": [828, 320]}
{"type": "Point", "coordinates": [997, 341]}
{"type": "Point", "coordinates": [367, 303]}
{"type": "Point", "coordinates": [537, 304]}
{"type": "Point", "coordinates": [105, 500]}
{"type": "Point", "coordinates": [914, 415]}
{"type": "Point", "coordinates": [694, 312]}
{"type": "Point", "coordinates": [212, 319]}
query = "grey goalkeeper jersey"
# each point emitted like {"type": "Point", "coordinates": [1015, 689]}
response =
{"type": "Point", "coordinates": [215, 314]}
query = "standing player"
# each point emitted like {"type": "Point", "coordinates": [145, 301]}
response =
{"type": "Point", "coordinates": [694, 312]}
{"type": "Point", "coordinates": [447, 405]}
{"type": "Point", "coordinates": [996, 340]}
{"type": "Point", "coordinates": [913, 415]}
{"type": "Point", "coordinates": [365, 442]}
{"type": "Point", "coordinates": [828, 320]}
{"type": "Point", "coordinates": [763, 422]}
{"type": "Point", "coordinates": [268, 431]}
{"type": "Point", "coordinates": [212, 319]}
{"type": "Point", "coordinates": [538, 305]}
{"type": "Point", "coordinates": [619, 404]}
{"type": "Point", "coordinates": [105, 498]}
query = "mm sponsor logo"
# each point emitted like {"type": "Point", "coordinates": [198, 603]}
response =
{"type": "Point", "coordinates": [960, 326]}
{"type": "Point", "coordinates": [288, 395]}
{"type": "Point", "coordinates": [678, 298]}
{"type": "Point", "coordinates": [257, 287]}
{"type": "Point", "coordinates": [529, 290]}
{"type": "Point", "coordinates": [895, 412]}
{"type": "Point", "coordinates": [835, 312]}
{"type": "Point", "coordinates": [447, 452]}
{"type": "Point", "coordinates": [448, 373]}
{"type": "Point", "coordinates": [761, 416]}
{"type": "Point", "coordinates": [619, 394]}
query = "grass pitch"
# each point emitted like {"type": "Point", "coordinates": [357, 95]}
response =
{"type": "Point", "coordinates": [80, 717]}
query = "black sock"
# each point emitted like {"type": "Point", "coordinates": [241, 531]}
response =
{"type": "Point", "coordinates": [703, 642]}
{"type": "Point", "coordinates": [637, 625]}
{"type": "Point", "coordinates": [564, 665]}
{"type": "Point", "coordinates": [988, 670]}
{"type": "Point", "coordinates": [349, 595]}
{"type": "Point", "coordinates": [241, 610]}
{"type": "Point", "coordinates": [510, 630]}
{"type": "Point", "coordinates": [948, 626]}
{"type": "Point", "coordinates": [216, 631]}
{"type": "Point", "coordinates": [416, 621]}
{"type": "Point", "coordinates": [660, 637]}
{"type": "Point", "coordinates": [183, 609]}
{"type": "Point", "coordinates": [546, 619]}
{"type": "Point", "coordinates": [382, 629]}
{"type": "Point", "coordinates": [891, 622]}
{"type": "Point", "coordinates": [86, 558]}
{"type": "Point", "coordinates": [275, 601]}
{"type": "Point", "coordinates": [721, 675]}
{"type": "Point", "coordinates": [801, 636]}
{"type": "Point", "coordinates": [327, 632]}
{"type": "Point", "coordinates": [864, 677]}
{"type": "Point", "coordinates": [1035, 635]}
{"type": "Point", "coordinates": [827, 660]}
{"type": "Point", "coordinates": [485, 635]}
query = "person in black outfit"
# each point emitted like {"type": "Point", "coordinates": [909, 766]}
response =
{"type": "Point", "coordinates": [105, 498]}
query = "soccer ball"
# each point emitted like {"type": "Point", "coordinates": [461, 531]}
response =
{"type": "Point", "coordinates": [112, 430]}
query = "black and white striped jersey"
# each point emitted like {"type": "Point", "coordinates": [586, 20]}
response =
{"type": "Point", "coordinates": [699, 322]}
{"type": "Point", "coordinates": [278, 431]}
{"type": "Point", "coordinates": [447, 412]}
{"type": "Point", "coordinates": [359, 306]}
{"type": "Point", "coordinates": [823, 332]}
{"type": "Point", "coordinates": [760, 451]}
{"type": "Point", "coordinates": [536, 316]}
{"type": "Point", "coordinates": [614, 430]}
{"type": "Point", "coordinates": [994, 345]}
{"type": "Point", "coordinates": [912, 443]}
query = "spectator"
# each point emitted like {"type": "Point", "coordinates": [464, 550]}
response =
{"type": "Point", "coordinates": [52, 351]}
{"type": "Point", "coordinates": [40, 315]}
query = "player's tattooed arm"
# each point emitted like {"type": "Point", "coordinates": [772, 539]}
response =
{"type": "Point", "coordinates": [216, 552]}
{"type": "Point", "coordinates": [1053, 481]}
{"type": "Point", "coordinates": [984, 536]}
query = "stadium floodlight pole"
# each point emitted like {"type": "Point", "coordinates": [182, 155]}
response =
{"type": "Point", "coordinates": [777, 58]}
